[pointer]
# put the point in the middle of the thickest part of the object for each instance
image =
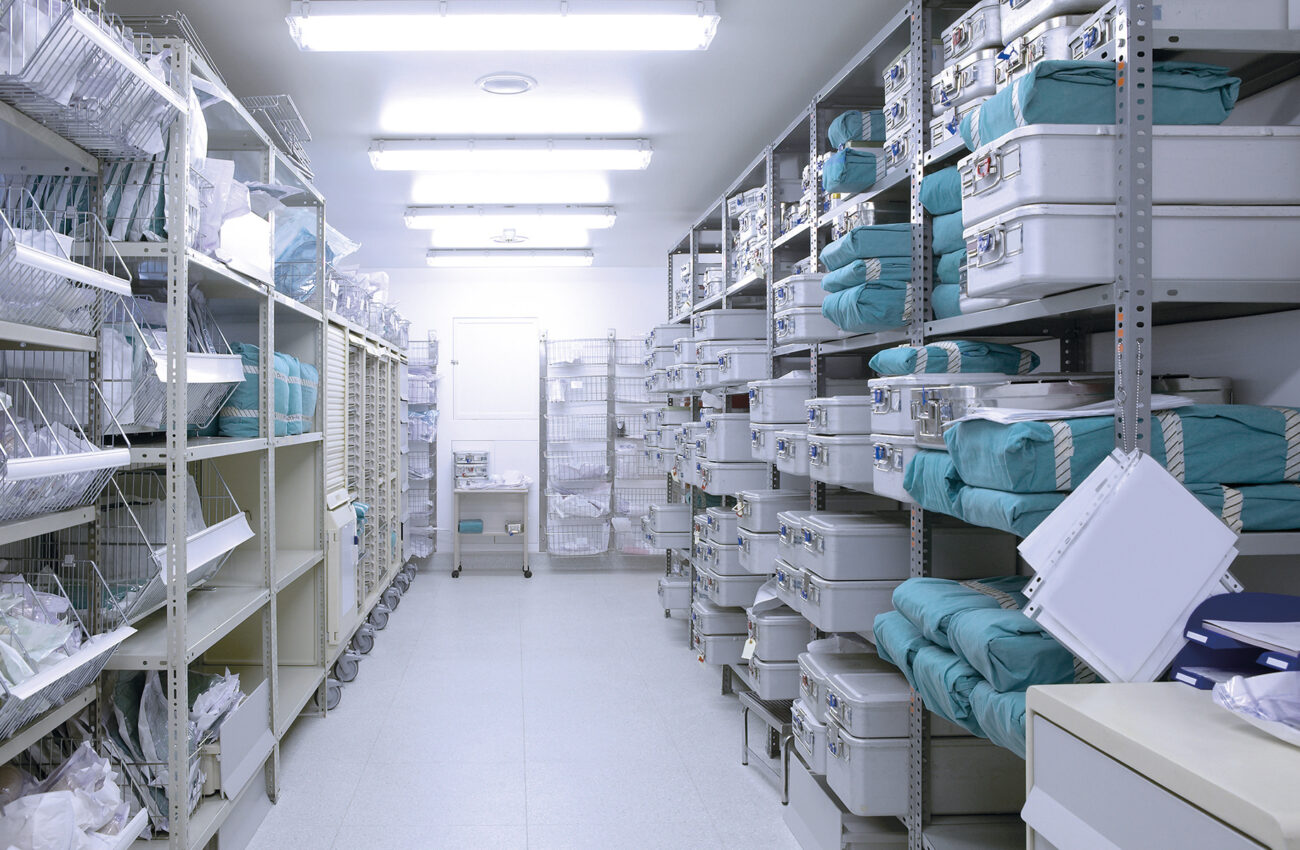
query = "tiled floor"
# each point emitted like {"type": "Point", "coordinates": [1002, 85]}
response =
{"type": "Point", "coordinates": [559, 712]}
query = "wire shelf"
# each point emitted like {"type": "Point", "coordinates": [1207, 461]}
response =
{"type": "Point", "coordinates": [630, 351]}
{"type": "Point", "coordinates": [632, 542]}
{"type": "Point", "coordinates": [577, 503]}
{"type": "Point", "coordinates": [563, 353]}
{"type": "Point", "coordinates": [631, 390]}
{"type": "Point", "coordinates": [629, 425]}
{"type": "Point", "coordinates": [577, 539]}
{"type": "Point", "coordinates": [636, 501]}
{"type": "Point", "coordinates": [577, 466]}
{"type": "Point", "coordinates": [423, 353]}
{"type": "Point", "coordinates": [279, 117]}
{"type": "Point", "coordinates": [577, 389]}
{"type": "Point", "coordinates": [634, 464]}
{"type": "Point", "coordinates": [422, 387]}
{"type": "Point", "coordinates": [590, 427]}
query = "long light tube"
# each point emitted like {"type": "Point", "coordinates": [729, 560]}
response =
{"type": "Point", "coordinates": [500, 216]}
{"type": "Point", "coordinates": [513, 258]}
{"type": "Point", "coordinates": [510, 154]}
{"type": "Point", "coordinates": [502, 25]}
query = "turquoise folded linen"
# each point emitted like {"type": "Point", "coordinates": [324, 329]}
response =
{"type": "Point", "coordinates": [1000, 716]}
{"type": "Point", "coordinates": [1074, 92]}
{"type": "Point", "coordinates": [866, 242]}
{"type": "Point", "coordinates": [944, 682]}
{"type": "Point", "coordinates": [241, 414]}
{"type": "Point", "coordinates": [972, 357]}
{"type": "Point", "coordinates": [1252, 507]}
{"type": "Point", "coordinates": [283, 392]}
{"type": "Point", "coordinates": [1204, 443]}
{"type": "Point", "coordinates": [930, 603]}
{"type": "Point", "coordinates": [941, 191]}
{"type": "Point", "coordinates": [293, 425]}
{"type": "Point", "coordinates": [932, 480]}
{"type": "Point", "coordinates": [946, 235]}
{"type": "Point", "coordinates": [945, 299]}
{"type": "Point", "coordinates": [856, 126]}
{"type": "Point", "coordinates": [851, 170]}
{"type": "Point", "coordinates": [869, 308]}
{"type": "Point", "coordinates": [1009, 650]}
{"type": "Point", "coordinates": [897, 641]}
{"type": "Point", "coordinates": [470, 526]}
{"type": "Point", "coordinates": [1014, 513]}
{"type": "Point", "coordinates": [948, 269]}
{"type": "Point", "coordinates": [869, 270]}
{"type": "Point", "coordinates": [310, 393]}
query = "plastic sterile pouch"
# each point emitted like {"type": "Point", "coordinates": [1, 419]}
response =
{"type": "Point", "coordinates": [1270, 701]}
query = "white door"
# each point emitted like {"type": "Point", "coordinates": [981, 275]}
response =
{"type": "Point", "coordinates": [495, 363]}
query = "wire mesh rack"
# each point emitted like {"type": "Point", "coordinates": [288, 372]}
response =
{"type": "Point", "coordinates": [631, 390]}
{"type": "Point", "coordinates": [633, 542]}
{"type": "Point", "coordinates": [422, 387]}
{"type": "Point", "coordinates": [280, 118]}
{"type": "Point", "coordinates": [631, 462]}
{"type": "Point", "coordinates": [629, 425]}
{"type": "Point", "coordinates": [636, 501]}
{"type": "Point", "coordinates": [577, 389]}
{"type": "Point", "coordinates": [577, 466]}
{"type": "Point", "coordinates": [564, 353]}
{"type": "Point", "coordinates": [630, 351]}
{"type": "Point", "coordinates": [423, 353]}
{"type": "Point", "coordinates": [577, 539]}
{"type": "Point", "coordinates": [577, 428]}
{"type": "Point", "coordinates": [574, 503]}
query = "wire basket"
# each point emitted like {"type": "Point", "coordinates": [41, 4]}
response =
{"type": "Point", "coordinates": [577, 389]}
{"type": "Point", "coordinates": [135, 364]}
{"type": "Point", "coordinates": [79, 73]}
{"type": "Point", "coordinates": [590, 427]}
{"type": "Point", "coordinates": [633, 542]}
{"type": "Point", "coordinates": [279, 117]}
{"type": "Point", "coordinates": [422, 387]}
{"type": "Point", "coordinates": [61, 624]}
{"type": "Point", "coordinates": [630, 351]}
{"type": "Point", "coordinates": [577, 503]}
{"type": "Point", "coordinates": [133, 540]}
{"type": "Point", "coordinates": [629, 425]}
{"type": "Point", "coordinates": [423, 353]}
{"type": "Point", "coordinates": [574, 467]}
{"type": "Point", "coordinates": [422, 426]}
{"type": "Point", "coordinates": [563, 353]}
{"type": "Point", "coordinates": [631, 390]}
{"type": "Point", "coordinates": [636, 501]}
{"type": "Point", "coordinates": [577, 539]}
{"type": "Point", "coordinates": [419, 545]}
{"type": "Point", "coordinates": [48, 277]}
{"type": "Point", "coordinates": [633, 464]}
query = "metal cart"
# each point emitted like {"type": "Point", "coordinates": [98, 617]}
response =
{"type": "Point", "coordinates": [507, 494]}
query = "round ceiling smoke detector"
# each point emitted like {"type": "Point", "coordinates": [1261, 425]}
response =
{"type": "Point", "coordinates": [509, 237]}
{"type": "Point", "coordinates": [506, 83]}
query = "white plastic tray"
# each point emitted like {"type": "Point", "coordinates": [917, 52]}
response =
{"type": "Point", "coordinates": [660, 358]}
{"type": "Point", "coordinates": [742, 364]}
{"type": "Point", "coordinates": [718, 650]}
{"type": "Point", "coordinates": [734, 591]}
{"type": "Point", "coordinates": [792, 452]}
{"type": "Point", "coordinates": [669, 518]}
{"type": "Point", "coordinates": [721, 525]}
{"type": "Point", "coordinates": [778, 400]}
{"type": "Point", "coordinates": [684, 350]}
{"type": "Point", "coordinates": [662, 336]}
{"type": "Point", "coordinates": [758, 550]}
{"type": "Point", "coordinates": [846, 414]}
{"type": "Point", "coordinates": [723, 559]}
{"type": "Point", "coordinates": [847, 460]}
{"type": "Point", "coordinates": [674, 593]}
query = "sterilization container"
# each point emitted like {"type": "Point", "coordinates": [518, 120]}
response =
{"type": "Point", "coordinates": [1020, 16]}
{"type": "Point", "coordinates": [700, 530]}
{"type": "Point", "coordinates": [970, 77]}
{"type": "Point", "coordinates": [792, 452]}
{"type": "Point", "coordinates": [718, 650]}
{"type": "Point", "coordinates": [662, 336]}
{"type": "Point", "coordinates": [1043, 249]}
{"type": "Point", "coordinates": [779, 634]}
{"type": "Point", "coordinates": [651, 437]}
{"type": "Point", "coordinates": [893, 399]}
{"type": "Point", "coordinates": [724, 559]}
{"type": "Point", "coordinates": [939, 407]}
{"type": "Point", "coordinates": [660, 358]}
{"type": "Point", "coordinates": [727, 479]}
{"type": "Point", "coordinates": [819, 821]}
{"type": "Point", "coordinates": [687, 434]}
{"type": "Point", "coordinates": [817, 667]}
{"type": "Point", "coordinates": [1200, 390]}
{"type": "Point", "coordinates": [759, 510]}
{"type": "Point", "coordinates": [779, 400]}
{"type": "Point", "coordinates": [706, 376]}
{"type": "Point", "coordinates": [789, 584]}
{"type": "Point", "coordinates": [684, 350]}
{"type": "Point", "coordinates": [805, 324]}
{"type": "Point", "coordinates": [896, 74]}
{"type": "Point", "coordinates": [892, 455]}
{"type": "Point", "coordinates": [758, 550]}
{"type": "Point", "coordinates": [896, 114]}
{"type": "Point", "coordinates": [728, 436]}
{"type": "Point", "coordinates": [672, 416]}
{"type": "Point", "coordinates": [762, 441]}
{"type": "Point", "coordinates": [657, 381]}
{"type": "Point", "coordinates": [1176, 21]}
{"type": "Point", "coordinates": [681, 378]}
{"type": "Point", "coordinates": [1059, 164]}
{"type": "Point", "coordinates": [975, 30]}
{"type": "Point", "coordinates": [947, 124]}
{"type": "Point", "coordinates": [686, 463]}
{"type": "Point", "coordinates": [872, 704]}
{"type": "Point", "coordinates": [669, 518]}
{"type": "Point", "coordinates": [847, 460]}
{"type": "Point", "coordinates": [809, 736]}
{"type": "Point", "coordinates": [710, 619]}
{"type": "Point", "coordinates": [709, 350]}
{"type": "Point", "coordinates": [845, 414]}
{"type": "Point", "coordinates": [844, 606]}
{"type": "Point", "coordinates": [1047, 42]}
{"type": "Point", "coordinates": [968, 775]}
{"type": "Point", "coordinates": [802, 290]}
{"type": "Point", "coordinates": [734, 591]}
{"type": "Point", "coordinates": [721, 525]}
{"type": "Point", "coordinates": [664, 539]}
{"type": "Point", "coordinates": [774, 679]}
{"type": "Point", "coordinates": [674, 593]}
{"type": "Point", "coordinates": [790, 534]}
{"type": "Point", "coordinates": [729, 324]}
{"type": "Point", "coordinates": [744, 363]}
{"type": "Point", "coordinates": [897, 152]}
{"type": "Point", "coordinates": [855, 547]}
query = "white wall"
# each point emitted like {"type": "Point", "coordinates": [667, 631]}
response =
{"type": "Point", "coordinates": [567, 303]}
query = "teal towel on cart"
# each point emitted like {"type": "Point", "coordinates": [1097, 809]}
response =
{"type": "Point", "coordinates": [898, 641]}
{"type": "Point", "coordinates": [856, 126]}
{"type": "Point", "coordinates": [946, 236]}
{"type": "Point", "coordinates": [1000, 716]}
{"type": "Point", "coordinates": [1075, 92]}
{"type": "Point", "coordinates": [932, 480]}
{"type": "Point", "coordinates": [868, 241]}
{"type": "Point", "coordinates": [945, 299]}
{"type": "Point", "coordinates": [470, 526]}
{"type": "Point", "coordinates": [1009, 650]}
{"type": "Point", "coordinates": [941, 191]}
{"type": "Point", "coordinates": [1252, 507]}
{"type": "Point", "coordinates": [948, 269]}
{"type": "Point", "coordinates": [850, 171]}
{"type": "Point", "coordinates": [869, 308]}
{"type": "Point", "coordinates": [1014, 513]}
{"type": "Point", "coordinates": [963, 355]}
{"type": "Point", "coordinates": [873, 269]}
{"type": "Point", "coordinates": [1207, 443]}
{"type": "Point", "coordinates": [931, 603]}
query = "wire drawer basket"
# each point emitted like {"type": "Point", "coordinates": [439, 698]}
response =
{"type": "Point", "coordinates": [634, 464]}
{"type": "Point", "coordinates": [631, 390]}
{"type": "Point", "coordinates": [636, 501]}
{"type": "Point", "coordinates": [630, 351]}
{"type": "Point", "coordinates": [574, 467]}
{"type": "Point", "coordinates": [577, 503]}
{"type": "Point", "coordinates": [577, 389]}
{"type": "Point", "coordinates": [563, 353]}
{"type": "Point", "coordinates": [577, 539]}
{"type": "Point", "coordinates": [591, 427]}
{"type": "Point", "coordinates": [134, 533]}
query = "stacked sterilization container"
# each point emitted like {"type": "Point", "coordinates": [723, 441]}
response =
{"type": "Point", "coordinates": [777, 635]}
{"type": "Point", "coordinates": [748, 251]}
{"type": "Point", "coordinates": [719, 460]}
{"type": "Point", "coordinates": [970, 53]}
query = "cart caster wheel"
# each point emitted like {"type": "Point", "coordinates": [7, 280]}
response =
{"type": "Point", "coordinates": [364, 640]}
{"type": "Point", "coordinates": [667, 614]}
{"type": "Point", "coordinates": [333, 694]}
{"type": "Point", "coordinates": [455, 573]}
{"type": "Point", "coordinates": [346, 668]}
{"type": "Point", "coordinates": [379, 616]}
{"type": "Point", "coordinates": [528, 573]}
{"type": "Point", "coordinates": [392, 598]}
{"type": "Point", "coordinates": [402, 582]}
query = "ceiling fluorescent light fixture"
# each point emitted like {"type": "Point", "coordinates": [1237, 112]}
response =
{"type": "Point", "coordinates": [510, 258]}
{"type": "Point", "coordinates": [510, 154]}
{"type": "Point", "coordinates": [519, 217]}
{"type": "Point", "coordinates": [502, 25]}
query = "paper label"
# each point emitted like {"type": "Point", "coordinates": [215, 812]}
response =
{"type": "Point", "coordinates": [748, 651]}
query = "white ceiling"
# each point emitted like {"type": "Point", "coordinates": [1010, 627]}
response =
{"type": "Point", "coordinates": [707, 114]}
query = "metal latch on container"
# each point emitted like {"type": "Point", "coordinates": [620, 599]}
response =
{"type": "Point", "coordinates": [887, 457]}
{"type": "Point", "coordinates": [817, 454]}
{"type": "Point", "coordinates": [813, 542]}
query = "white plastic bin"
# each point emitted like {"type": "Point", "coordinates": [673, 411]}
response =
{"type": "Point", "coordinates": [721, 525]}
{"type": "Point", "coordinates": [709, 619]}
{"type": "Point", "coordinates": [734, 591]}
{"type": "Point", "coordinates": [1020, 16]}
{"type": "Point", "coordinates": [1058, 164]}
{"type": "Point", "coordinates": [845, 414]}
{"type": "Point", "coordinates": [780, 400]}
{"type": "Point", "coordinates": [744, 363]}
{"type": "Point", "coordinates": [845, 606]}
{"type": "Point", "coordinates": [792, 452]}
{"type": "Point", "coordinates": [968, 78]}
{"type": "Point", "coordinates": [758, 550]}
{"type": "Point", "coordinates": [762, 441]}
{"type": "Point", "coordinates": [707, 351]}
{"type": "Point", "coordinates": [817, 668]}
{"type": "Point", "coordinates": [759, 510]}
{"type": "Point", "coordinates": [681, 378]}
{"type": "Point", "coordinates": [727, 479]}
{"type": "Point", "coordinates": [975, 30]}
{"type": "Point", "coordinates": [729, 324]}
{"type": "Point", "coordinates": [728, 437]}
{"type": "Point", "coordinates": [809, 736]}
{"type": "Point", "coordinates": [892, 455]}
{"type": "Point", "coordinates": [847, 460]}
{"type": "Point", "coordinates": [774, 679]}
{"type": "Point", "coordinates": [669, 518]}
{"type": "Point", "coordinates": [779, 634]}
{"type": "Point", "coordinates": [724, 559]}
{"type": "Point", "coordinates": [657, 381]}
{"type": "Point", "coordinates": [805, 324]}
{"type": "Point", "coordinates": [1046, 42]}
{"type": "Point", "coordinates": [803, 290]}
